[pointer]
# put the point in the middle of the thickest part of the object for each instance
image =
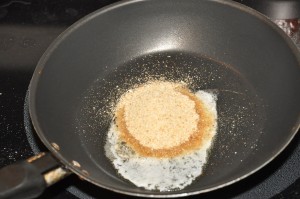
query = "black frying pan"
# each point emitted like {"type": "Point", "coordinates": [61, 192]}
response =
{"type": "Point", "coordinates": [221, 45]}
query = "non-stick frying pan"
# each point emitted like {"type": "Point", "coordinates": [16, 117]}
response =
{"type": "Point", "coordinates": [222, 46]}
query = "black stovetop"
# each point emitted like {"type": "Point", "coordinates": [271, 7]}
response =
{"type": "Point", "coordinates": [27, 27]}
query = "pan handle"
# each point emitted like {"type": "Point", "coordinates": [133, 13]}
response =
{"type": "Point", "coordinates": [29, 178]}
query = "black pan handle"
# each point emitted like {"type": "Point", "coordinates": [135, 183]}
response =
{"type": "Point", "coordinates": [29, 178]}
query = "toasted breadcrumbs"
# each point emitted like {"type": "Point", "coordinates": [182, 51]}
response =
{"type": "Point", "coordinates": [161, 119]}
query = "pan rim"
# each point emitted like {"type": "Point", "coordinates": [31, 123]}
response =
{"type": "Point", "coordinates": [43, 60]}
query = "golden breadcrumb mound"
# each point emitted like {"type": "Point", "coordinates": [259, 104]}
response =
{"type": "Point", "coordinates": [162, 119]}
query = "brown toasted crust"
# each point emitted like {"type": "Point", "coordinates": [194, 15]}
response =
{"type": "Point", "coordinates": [196, 139]}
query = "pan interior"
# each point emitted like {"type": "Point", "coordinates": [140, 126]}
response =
{"type": "Point", "coordinates": [240, 121]}
{"type": "Point", "coordinates": [216, 45]}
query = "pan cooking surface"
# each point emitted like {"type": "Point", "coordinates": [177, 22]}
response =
{"type": "Point", "coordinates": [258, 107]}
{"type": "Point", "coordinates": [240, 110]}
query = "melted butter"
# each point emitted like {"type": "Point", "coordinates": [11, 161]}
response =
{"type": "Point", "coordinates": [163, 174]}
